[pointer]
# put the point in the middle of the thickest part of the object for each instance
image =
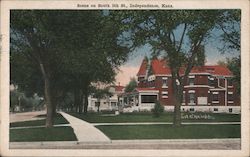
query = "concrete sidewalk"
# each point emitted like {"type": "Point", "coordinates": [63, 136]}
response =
{"type": "Point", "coordinates": [85, 132]}
{"type": "Point", "coordinates": [198, 144]}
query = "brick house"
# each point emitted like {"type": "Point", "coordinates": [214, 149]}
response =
{"type": "Point", "coordinates": [208, 88]}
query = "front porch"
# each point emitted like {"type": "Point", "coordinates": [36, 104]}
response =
{"type": "Point", "coordinates": [141, 99]}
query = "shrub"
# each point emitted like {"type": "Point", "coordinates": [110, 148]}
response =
{"type": "Point", "coordinates": [158, 109]}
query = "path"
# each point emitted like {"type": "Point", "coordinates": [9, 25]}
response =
{"type": "Point", "coordinates": [26, 116]}
{"type": "Point", "coordinates": [164, 144]}
{"type": "Point", "coordinates": [85, 132]}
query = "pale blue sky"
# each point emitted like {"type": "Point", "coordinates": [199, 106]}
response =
{"type": "Point", "coordinates": [131, 67]}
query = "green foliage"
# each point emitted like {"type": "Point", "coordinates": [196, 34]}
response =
{"type": "Point", "coordinates": [234, 66]}
{"type": "Point", "coordinates": [19, 99]}
{"type": "Point", "coordinates": [131, 85]}
{"type": "Point", "coordinates": [230, 25]}
{"type": "Point", "coordinates": [158, 109]}
{"type": "Point", "coordinates": [71, 49]}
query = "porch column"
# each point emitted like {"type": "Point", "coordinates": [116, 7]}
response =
{"type": "Point", "coordinates": [134, 102]}
{"type": "Point", "coordinates": [139, 99]}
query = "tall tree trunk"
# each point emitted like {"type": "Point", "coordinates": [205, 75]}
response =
{"type": "Point", "coordinates": [177, 92]}
{"type": "Point", "coordinates": [49, 104]}
{"type": "Point", "coordinates": [86, 102]}
{"type": "Point", "coordinates": [54, 102]}
{"type": "Point", "coordinates": [77, 99]}
{"type": "Point", "coordinates": [48, 98]}
{"type": "Point", "coordinates": [177, 109]}
{"type": "Point", "coordinates": [80, 101]}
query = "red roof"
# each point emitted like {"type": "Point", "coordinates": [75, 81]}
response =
{"type": "Point", "coordinates": [119, 88]}
{"type": "Point", "coordinates": [143, 68]}
{"type": "Point", "coordinates": [159, 67]}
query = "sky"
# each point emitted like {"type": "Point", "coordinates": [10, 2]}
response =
{"type": "Point", "coordinates": [131, 67]}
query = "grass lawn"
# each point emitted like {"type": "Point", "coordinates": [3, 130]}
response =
{"type": "Point", "coordinates": [170, 132]}
{"type": "Point", "coordinates": [42, 134]}
{"type": "Point", "coordinates": [148, 117]}
{"type": "Point", "coordinates": [58, 119]}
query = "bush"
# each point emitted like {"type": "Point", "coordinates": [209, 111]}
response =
{"type": "Point", "coordinates": [108, 111]}
{"type": "Point", "coordinates": [158, 109]}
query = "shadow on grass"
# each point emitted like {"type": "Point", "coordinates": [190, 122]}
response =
{"type": "Point", "coordinates": [42, 134]}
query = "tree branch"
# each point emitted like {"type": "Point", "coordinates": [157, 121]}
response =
{"type": "Point", "coordinates": [182, 37]}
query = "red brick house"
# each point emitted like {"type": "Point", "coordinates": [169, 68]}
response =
{"type": "Point", "coordinates": [208, 88]}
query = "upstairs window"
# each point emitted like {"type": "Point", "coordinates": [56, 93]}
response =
{"type": "Point", "coordinates": [229, 82]}
{"type": "Point", "coordinates": [215, 96]}
{"type": "Point", "coordinates": [230, 96]}
{"type": "Point", "coordinates": [191, 80]}
{"type": "Point", "coordinates": [164, 81]}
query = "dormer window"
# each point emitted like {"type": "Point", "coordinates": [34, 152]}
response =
{"type": "Point", "coordinates": [210, 70]}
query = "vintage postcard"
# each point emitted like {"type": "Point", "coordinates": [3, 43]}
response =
{"type": "Point", "coordinates": [124, 78]}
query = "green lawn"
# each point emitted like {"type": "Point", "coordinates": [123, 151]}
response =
{"type": "Point", "coordinates": [148, 117]}
{"type": "Point", "coordinates": [170, 132]}
{"type": "Point", "coordinates": [59, 119]}
{"type": "Point", "coordinates": [42, 134]}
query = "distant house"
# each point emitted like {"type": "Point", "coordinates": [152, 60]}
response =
{"type": "Point", "coordinates": [107, 102]}
{"type": "Point", "coordinates": [208, 88]}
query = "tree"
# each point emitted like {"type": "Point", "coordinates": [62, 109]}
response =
{"type": "Point", "coordinates": [131, 85]}
{"type": "Point", "coordinates": [233, 65]}
{"type": "Point", "coordinates": [67, 49]}
{"type": "Point", "coordinates": [230, 27]}
{"type": "Point", "coordinates": [230, 37]}
{"type": "Point", "coordinates": [178, 35]}
{"type": "Point", "coordinates": [158, 109]}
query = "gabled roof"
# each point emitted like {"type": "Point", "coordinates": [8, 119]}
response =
{"type": "Point", "coordinates": [119, 88]}
{"type": "Point", "coordinates": [143, 68]}
{"type": "Point", "coordinates": [159, 67]}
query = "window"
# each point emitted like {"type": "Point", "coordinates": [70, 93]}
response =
{"type": "Point", "coordinates": [164, 94]}
{"type": "Point", "coordinates": [184, 97]}
{"type": "Point", "coordinates": [191, 109]}
{"type": "Point", "coordinates": [230, 96]}
{"type": "Point", "coordinates": [215, 109]}
{"type": "Point", "coordinates": [212, 81]}
{"type": "Point", "coordinates": [215, 96]}
{"type": "Point", "coordinates": [191, 97]}
{"type": "Point", "coordinates": [164, 81]}
{"type": "Point", "coordinates": [230, 110]}
{"type": "Point", "coordinates": [229, 82]}
{"type": "Point", "coordinates": [191, 80]}
{"type": "Point", "coordinates": [148, 98]}
{"type": "Point", "coordinates": [113, 104]}
{"type": "Point", "coordinates": [97, 104]}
